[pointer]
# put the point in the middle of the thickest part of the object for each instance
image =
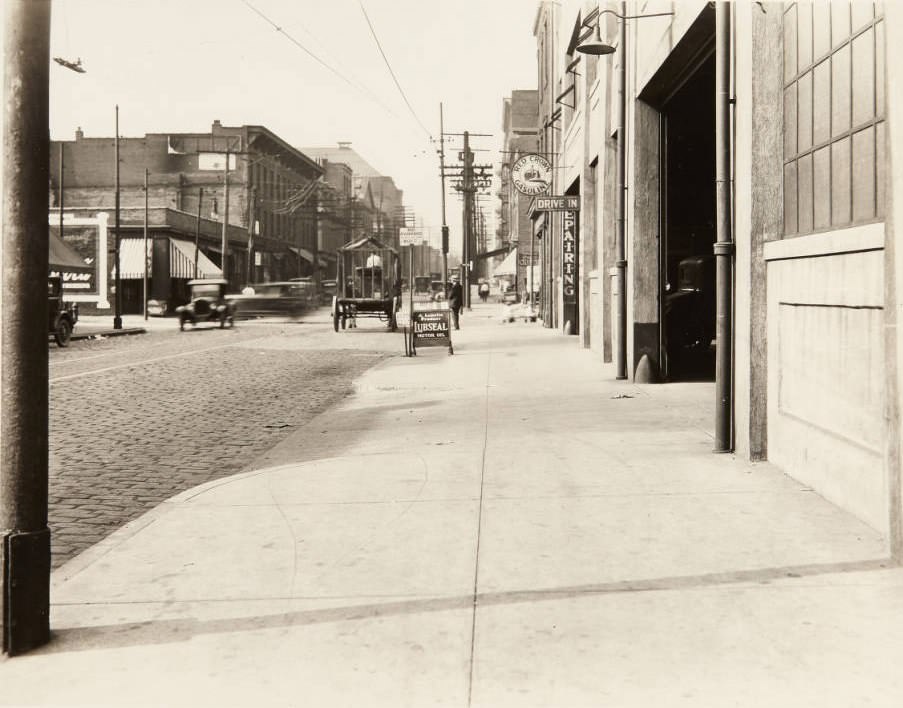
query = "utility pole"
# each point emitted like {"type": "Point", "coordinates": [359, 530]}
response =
{"type": "Point", "coordinates": [444, 224]}
{"type": "Point", "coordinates": [252, 216]}
{"type": "Point", "coordinates": [225, 239]}
{"type": "Point", "coordinates": [316, 241]}
{"type": "Point", "coordinates": [117, 281]}
{"type": "Point", "coordinates": [197, 232]}
{"type": "Point", "coordinates": [61, 199]}
{"type": "Point", "coordinates": [468, 215]}
{"type": "Point", "coordinates": [145, 244]}
{"type": "Point", "coordinates": [24, 534]}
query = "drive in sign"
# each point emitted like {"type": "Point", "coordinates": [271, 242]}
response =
{"type": "Point", "coordinates": [562, 203]}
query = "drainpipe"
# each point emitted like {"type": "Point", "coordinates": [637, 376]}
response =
{"type": "Point", "coordinates": [621, 240]}
{"type": "Point", "coordinates": [724, 244]}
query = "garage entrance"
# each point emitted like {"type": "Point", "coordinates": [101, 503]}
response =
{"type": "Point", "coordinates": [688, 228]}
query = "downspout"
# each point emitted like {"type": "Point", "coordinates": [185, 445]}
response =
{"type": "Point", "coordinates": [621, 239]}
{"type": "Point", "coordinates": [724, 244]}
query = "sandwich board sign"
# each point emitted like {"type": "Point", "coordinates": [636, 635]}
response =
{"type": "Point", "coordinates": [431, 328]}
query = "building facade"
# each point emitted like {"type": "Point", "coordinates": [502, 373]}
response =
{"type": "Point", "coordinates": [786, 177]}
{"type": "Point", "coordinates": [377, 203]}
{"type": "Point", "coordinates": [268, 203]}
{"type": "Point", "coordinates": [520, 126]}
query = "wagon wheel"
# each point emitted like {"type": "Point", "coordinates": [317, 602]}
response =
{"type": "Point", "coordinates": [63, 332]}
{"type": "Point", "coordinates": [335, 315]}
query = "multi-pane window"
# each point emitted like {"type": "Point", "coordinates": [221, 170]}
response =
{"type": "Point", "coordinates": [834, 110]}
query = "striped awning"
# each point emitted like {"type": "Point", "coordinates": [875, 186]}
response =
{"type": "Point", "coordinates": [181, 260]}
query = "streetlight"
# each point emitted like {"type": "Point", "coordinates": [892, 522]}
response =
{"type": "Point", "coordinates": [596, 47]}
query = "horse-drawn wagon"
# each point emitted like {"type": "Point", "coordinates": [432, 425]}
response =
{"type": "Point", "coordinates": [368, 284]}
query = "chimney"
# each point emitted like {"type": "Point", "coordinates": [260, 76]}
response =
{"type": "Point", "coordinates": [216, 124]}
{"type": "Point", "coordinates": [344, 145]}
{"type": "Point", "coordinates": [78, 133]}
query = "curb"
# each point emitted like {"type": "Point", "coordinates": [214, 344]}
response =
{"type": "Point", "coordinates": [109, 333]}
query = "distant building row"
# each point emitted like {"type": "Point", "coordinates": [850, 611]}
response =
{"type": "Point", "coordinates": [289, 210]}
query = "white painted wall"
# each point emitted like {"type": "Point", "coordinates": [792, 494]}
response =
{"type": "Point", "coordinates": [826, 366]}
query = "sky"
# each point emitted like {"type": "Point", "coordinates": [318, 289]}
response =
{"type": "Point", "coordinates": [178, 65]}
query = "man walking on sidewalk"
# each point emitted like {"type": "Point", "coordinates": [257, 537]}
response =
{"type": "Point", "coordinates": [455, 300]}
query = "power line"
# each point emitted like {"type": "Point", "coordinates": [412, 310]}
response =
{"type": "Point", "coordinates": [389, 67]}
{"type": "Point", "coordinates": [320, 61]}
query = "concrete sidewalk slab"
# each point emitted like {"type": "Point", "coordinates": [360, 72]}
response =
{"type": "Point", "coordinates": [508, 526]}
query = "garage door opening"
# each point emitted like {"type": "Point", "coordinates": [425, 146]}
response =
{"type": "Point", "coordinates": [688, 228]}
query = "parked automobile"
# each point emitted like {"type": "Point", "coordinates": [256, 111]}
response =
{"type": "Point", "coordinates": [63, 315]}
{"type": "Point", "coordinates": [156, 308]}
{"type": "Point", "coordinates": [286, 299]}
{"type": "Point", "coordinates": [690, 310]}
{"type": "Point", "coordinates": [208, 304]}
{"type": "Point", "coordinates": [328, 290]}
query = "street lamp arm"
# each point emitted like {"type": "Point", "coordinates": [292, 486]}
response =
{"type": "Point", "coordinates": [598, 12]}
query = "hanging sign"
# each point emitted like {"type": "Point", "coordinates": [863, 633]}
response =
{"type": "Point", "coordinates": [556, 204]}
{"type": "Point", "coordinates": [569, 258]}
{"type": "Point", "coordinates": [532, 175]}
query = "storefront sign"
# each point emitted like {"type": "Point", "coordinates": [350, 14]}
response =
{"type": "Point", "coordinates": [556, 204]}
{"type": "Point", "coordinates": [532, 174]}
{"type": "Point", "coordinates": [88, 237]}
{"type": "Point", "coordinates": [431, 328]}
{"type": "Point", "coordinates": [569, 265]}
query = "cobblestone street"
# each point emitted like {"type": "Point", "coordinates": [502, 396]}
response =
{"type": "Point", "coordinates": [135, 420]}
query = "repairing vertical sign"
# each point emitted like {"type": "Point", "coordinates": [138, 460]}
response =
{"type": "Point", "coordinates": [569, 264]}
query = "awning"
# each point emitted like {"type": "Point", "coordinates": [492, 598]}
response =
{"type": "Point", "coordinates": [64, 258]}
{"type": "Point", "coordinates": [181, 260]}
{"type": "Point", "coordinates": [307, 255]}
{"type": "Point", "coordinates": [507, 266]}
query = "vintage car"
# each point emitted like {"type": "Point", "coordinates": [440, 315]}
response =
{"type": "Point", "coordinates": [208, 304]}
{"type": "Point", "coordinates": [690, 311]}
{"type": "Point", "coordinates": [282, 299]}
{"type": "Point", "coordinates": [63, 315]}
{"type": "Point", "coordinates": [328, 289]}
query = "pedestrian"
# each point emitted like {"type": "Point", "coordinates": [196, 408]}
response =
{"type": "Point", "coordinates": [484, 291]}
{"type": "Point", "coordinates": [455, 300]}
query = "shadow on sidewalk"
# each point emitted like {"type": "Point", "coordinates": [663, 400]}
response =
{"type": "Point", "coordinates": [132, 634]}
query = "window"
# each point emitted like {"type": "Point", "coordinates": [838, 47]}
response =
{"type": "Point", "coordinates": [834, 109]}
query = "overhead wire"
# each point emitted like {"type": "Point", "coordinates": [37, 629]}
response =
{"type": "Point", "coordinates": [353, 84]}
{"type": "Point", "coordinates": [392, 72]}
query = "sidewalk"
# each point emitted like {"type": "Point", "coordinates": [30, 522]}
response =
{"type": "Point", "coordinates": [508, 526]}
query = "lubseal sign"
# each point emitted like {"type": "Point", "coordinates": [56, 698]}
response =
{"type": "Point", "coordinates": [432, 328]}
{"type": "Point", "coordinates": [532, 175]}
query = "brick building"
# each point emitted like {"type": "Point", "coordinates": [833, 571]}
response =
{"type": "Point", "coordinates": [271, 186]}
